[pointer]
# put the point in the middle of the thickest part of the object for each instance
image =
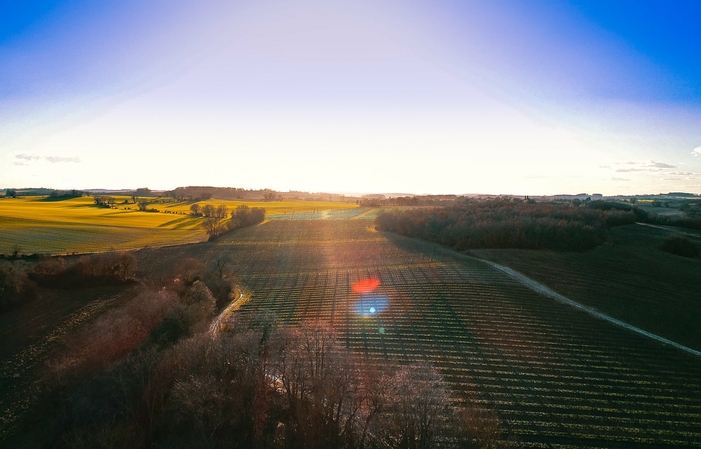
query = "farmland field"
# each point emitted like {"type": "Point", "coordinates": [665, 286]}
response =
{"type": "Point", "coordinates": [272, 207]}
{"type": "Point", "coordinates": [556, 376]}
{"type": "Point", "coordinates": [49, 226]}
{"type": "Point", "coordinates": [628, 277]}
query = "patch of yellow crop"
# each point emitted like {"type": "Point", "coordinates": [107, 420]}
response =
{"type": "Point", "coordinates": [83, 211]}
{"type": "Point", "coordinates": [50, 226]}
{"type": "Point", "coordinates": [41, 225]}
{"type": "Point", "coordinates": [271, 207]}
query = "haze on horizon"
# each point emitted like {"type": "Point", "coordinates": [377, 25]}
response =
{"type": "Point", "coordinates": [539, 97]}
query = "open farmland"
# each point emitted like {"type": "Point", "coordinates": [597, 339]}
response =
{"type": "Point", "coordinates": [628, 278]}
{"type": "Point", "coordinates": [41, 225]}
{"type": "Point", "coordinates": [50, 226]}
{"type": "Point", "coordinates": [271, 207]}
{"type": "Point", "coordinates": [557, 377]}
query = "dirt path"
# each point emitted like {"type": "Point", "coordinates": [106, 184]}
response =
{"type": "Point", "coordinates": [220, 321]}
{"type": "Point", "coordinates": [673, 230]}
{"type": "Point", "coordinates": [545, 291]}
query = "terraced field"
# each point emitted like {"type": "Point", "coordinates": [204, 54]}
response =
{"type": "Point", "coordinates": [556, 376]}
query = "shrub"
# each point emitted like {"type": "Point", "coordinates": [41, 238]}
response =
{"type": "Point", "coordinates": [507, 224]}
{"type": "Point", "coordinates": [87, 270]}
{"type": "Point", "coordinates": [15, 286]}
{"type": "Point", "coordinates": [680, 246]}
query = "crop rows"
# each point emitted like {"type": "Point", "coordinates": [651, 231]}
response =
{"type": "Point", "coordinates": [557, 377]}
{"type": "Point", "coordinates": [339, 214]}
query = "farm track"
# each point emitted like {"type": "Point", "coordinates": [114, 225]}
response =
{"type": "Point", "coordinates": [557, 376]}
{"type": "Point", "coordinates": [542, 289]}
{"type": "Point", "coordinates": [30, 335]}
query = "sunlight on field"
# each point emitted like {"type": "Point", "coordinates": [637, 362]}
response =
{"type": "Point", "coordinates": [271, 207]}
{"type": "Point", "coordinates": [41, 225]}
{"type": "Point", "coordinates": [83, 211]}
{"type": "Point", "coordinates": [59, 226]}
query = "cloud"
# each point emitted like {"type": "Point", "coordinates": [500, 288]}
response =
{"type": "Point", "coordinates": [55, 159]}
{"type": "Point", "coordinates": [28, 157]}
{"type": "Point", "coordinates": [20, 164]}
{"type": "Point", "coordinates": [660, 165]}
{"type": "Point", "coordinates": [52, 159]}
{"type": "Point", "coordinates": [648, 166]}
{"type": "Point", "coordinates": [696, 152]}
{"type": "Point", "coordinates": [619, 179]}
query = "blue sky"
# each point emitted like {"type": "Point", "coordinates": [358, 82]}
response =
{"type": "Point", "coordinates": [537, 97]}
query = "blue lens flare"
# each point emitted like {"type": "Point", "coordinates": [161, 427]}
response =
{"type": "Point", "coordinates": [371, 305]}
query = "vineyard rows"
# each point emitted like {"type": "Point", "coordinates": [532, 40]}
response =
{"type": "Point", "coordinates": [556, 376]}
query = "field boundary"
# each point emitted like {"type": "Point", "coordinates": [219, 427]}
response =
{"type": "Point", "coordinates": [546, 291]}
{"type": "Point", "coordinates": [549, 293]}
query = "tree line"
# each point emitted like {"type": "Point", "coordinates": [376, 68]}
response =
{"type": "Point", "coordinates": [19, 281]}
{"type": "Point", "coordinates": [154, 374]}
{"type": "Point", "coordinates": [503, 223]}
{"type": "Point", "coordinates": [241, 217]}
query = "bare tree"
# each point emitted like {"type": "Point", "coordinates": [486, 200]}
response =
{"type": "Point", "coordinates": [320, 385]}
{"type": "Point", "coordinates": [208, 210]}
{"type": "Point", "coordinates": [126, 265]}
{"type": "Point", "coordinates": [214, 227]}
{"type": "Point", "coordinates": [417, 409]}
{"type": "Point", "coordinates": [222, 262]}
{"type": "Point", "coordinates": [222, 211]}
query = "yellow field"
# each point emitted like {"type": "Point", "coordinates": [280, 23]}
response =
{"type": "Point", "coordinates": [271, 207]}
{"type": "Point", "coordinates": [48, 226]}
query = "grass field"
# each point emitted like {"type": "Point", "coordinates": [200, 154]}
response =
{"type": "Point", "coordinates": [272, 208]}
{"type": "Point", "coordinates": [629, 278]}
{"type": "Point", "coordinates": [48, 226]}
{"type": "Point", "coordinates": [556, 376]}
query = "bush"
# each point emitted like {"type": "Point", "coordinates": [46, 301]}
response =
{"type": "Point", "coordinates": [680, 246]}
{"type": "Point", "coordinates": [107, 268]}
{"type": "Point", "coordinates": [508, 224]}
{"type": "Point", "coordinates": [15, 286]}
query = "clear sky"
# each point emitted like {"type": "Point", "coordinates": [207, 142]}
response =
{"type": "Point", "coordinates": [520, 97]}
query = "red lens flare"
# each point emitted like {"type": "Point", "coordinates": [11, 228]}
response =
{"type": "Point", "coordinates": [366, 286]}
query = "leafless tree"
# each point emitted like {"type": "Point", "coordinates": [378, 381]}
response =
{"type": "Point", "coordinates": [214, 227]}
{"type": "Point", "coordinates": [208, 210]}
{"type": "Point", "coordinates": [417, 409]}
{"type": "Point", "coordinates": [222, 262]}
{"type": "Point", "coordinates": [222, 211]}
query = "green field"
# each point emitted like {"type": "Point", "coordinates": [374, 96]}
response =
{"type": "Point", "coordinates": [48, 226]}
{"type": "Point", "coordinates": [628, 277]}
{"type": "Point", "coordinates": [556, 376]}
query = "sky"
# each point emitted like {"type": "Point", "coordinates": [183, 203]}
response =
{"type": "Point", "coordinates": [505, 97]}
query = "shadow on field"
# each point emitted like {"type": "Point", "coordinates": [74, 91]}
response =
{"type": "Point", "coordinates": [49, 199]}
{"type": "Point", "coordinates": [180, 223]}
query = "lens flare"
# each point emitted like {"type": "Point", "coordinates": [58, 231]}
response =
{"type": "Point", "coordinates": [371, 305]}
{"type": "Point", "coordinates": [366, 286]}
